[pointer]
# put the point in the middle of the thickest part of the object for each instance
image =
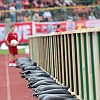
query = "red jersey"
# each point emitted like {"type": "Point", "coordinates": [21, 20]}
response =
{"type": "Point", "coordinates": [58, 30]}
{"type": "Point", "coordinates": [12, 36]}
{"type": "Point", "coordinates": [83, 18]}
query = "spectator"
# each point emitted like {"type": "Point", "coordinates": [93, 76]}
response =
{"type": "Point", "coordinates": [81, 9]}
{"type": "Point", "coordinates": [6, 15]}
{"type": "Point", "coordinates": [2, 5]}
{"type": "Point", "coordinates": [84, 17]}
{"type": "Point", "coordinates": [36, 17]}
{"type": "Point", "coordinates": [10, 1]}
{"type": "Point", "coordinates": [55, 20]}
{"type": "Point", "coordinates": [76, 17]}
{"type": "Point", "coordinates": [50, 19]}
{"type": "Point", "coordinates": [70, 24]}
{"type": "Point", "coordinates": [25, 4]}
{"type": "Point", "coordinates": [62, 3]}
{"type": "Point", "coordinates": [27, 17]}
{"type": "Point", "coordinates": [46, 15]}
{"type": "Point", "coordinates": [56, 3]}
{"type": "Point", "coordinates": [2, 1]}
{"type": "Point", "coordinates": [45, 4]}
{"type": "Point", "coordinates": [20, 18]}
{"type": "Point", "coordinates": [40, 18]}
{"type": "Point", "coordinates": [98, 11]}
{"type": "Point", "coordinates": [58, 28]}
{"type": "Point", "coordinates": [12, 13]}
{"type": "Point", "coordinates": [38, 4]}
{"type": "Point", "coordinates": [19, 5]}
{"type": "Point", "coordinates": [30, 1]}
{"type": "Point", "coordinates": [70, 18]}
{"type": "Point", "coordinates": [1, 8]}
{"type": "Point", "coordinates": [2, 18]}
{"type": "Point", "coordinates": [53, 3]}
{"type": "Point", "coordinates": [69, 3]}
{"type": "Point", "coordinates": [91, 16]}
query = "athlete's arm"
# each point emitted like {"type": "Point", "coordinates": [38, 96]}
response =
{"type": "Point", "coordinates": [7, 40]}
{"type": "Point", "coordinates": [8, 43]}
{"type": "Point", "coordinates": [17, 41]}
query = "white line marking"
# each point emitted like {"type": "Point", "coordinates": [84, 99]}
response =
{"type": "Point", "coordinates": [8, 82]}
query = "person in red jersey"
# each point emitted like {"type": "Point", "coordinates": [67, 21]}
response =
{"type": "Point", "coordinates": [58, 28]}
{"type": "Point", "coordinates": [12, 35]}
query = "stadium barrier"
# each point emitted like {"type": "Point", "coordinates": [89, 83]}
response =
{"type": "Point", "coordinates": [73, 58]}
{"type": "Point", "coordinates": [50, 8]}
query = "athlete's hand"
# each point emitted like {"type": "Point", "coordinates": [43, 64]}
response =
{"type": "Point", "coordinates": [11, 45]}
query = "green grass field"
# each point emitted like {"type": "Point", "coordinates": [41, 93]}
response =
{"type": "Point", "coordinates": [20, 51]}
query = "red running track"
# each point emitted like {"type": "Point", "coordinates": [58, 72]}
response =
{"type": "Point", "coordinates": [12, 87]}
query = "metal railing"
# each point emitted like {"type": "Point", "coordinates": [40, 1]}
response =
{"type": "Point", "coordinates": [73, 58]}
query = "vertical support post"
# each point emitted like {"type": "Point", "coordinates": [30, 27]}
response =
{"type": "Point", "coordinates": [73, 62]}
{"type": "Point", "coordinates": [36, 49]}
{"type": "Point", "coordinates": [78, 64]}
{"type": "Point", "coordinates": [62, 58]}
{"type": "Point", "coordinates": [83, 66]}
{"type": "Point", "coordinates": [58, 42]}
{"type": "Point", "coordinates": [66, 60]}
{"type": "Point", "coordinates": [52, 70]}
{"type": "Point", "coordinates": [69, 62]}
{"type": "Point", "coordinates": [96, 64]}
{"type": "Point", "coordinates": [89, 66]}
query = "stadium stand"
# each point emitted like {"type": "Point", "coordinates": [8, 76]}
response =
{"type": "Point", "coordinates": [48, 10]}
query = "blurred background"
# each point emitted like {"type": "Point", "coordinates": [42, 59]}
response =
{"type": "Point", "coordinates": [55, 10]}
